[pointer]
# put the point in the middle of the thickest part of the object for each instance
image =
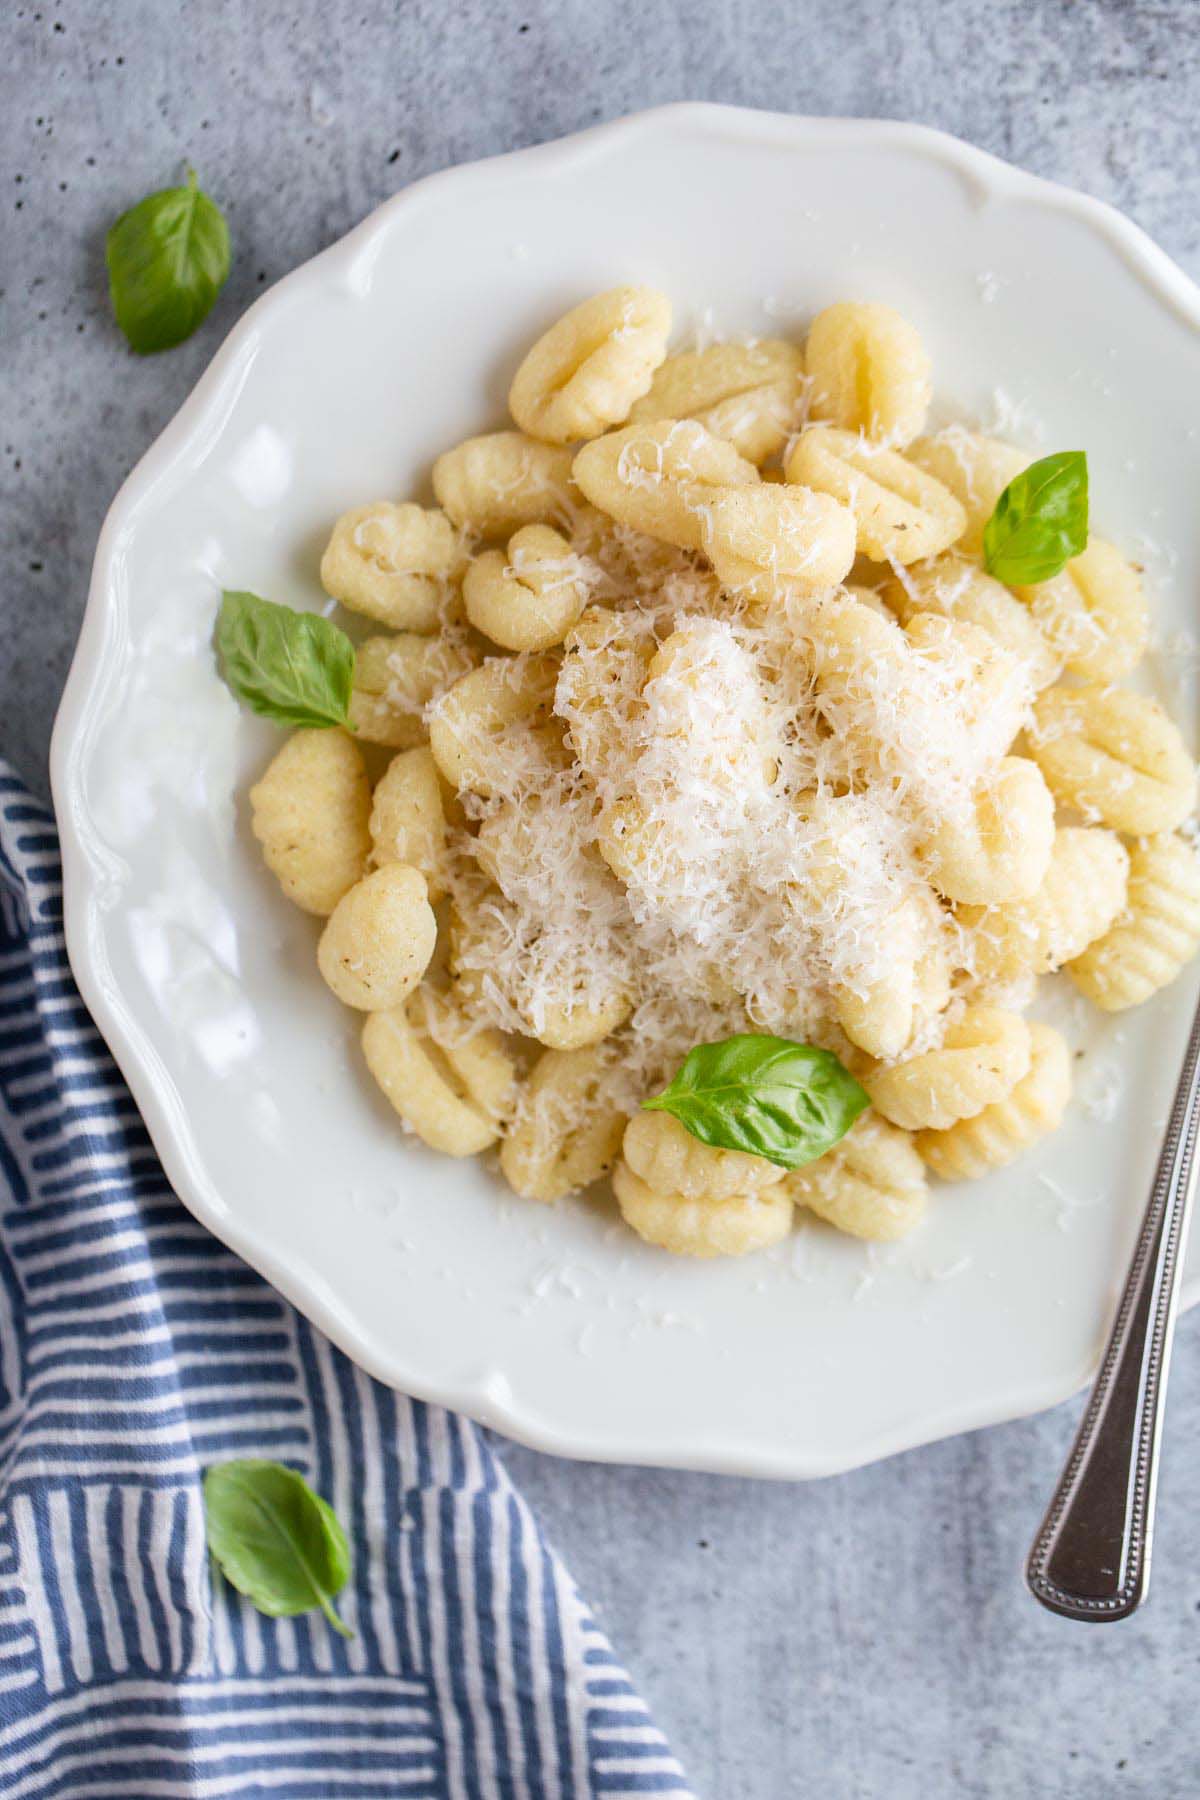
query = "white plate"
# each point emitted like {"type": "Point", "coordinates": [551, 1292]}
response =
{"type": "Point", "coordinates": [340, 386]}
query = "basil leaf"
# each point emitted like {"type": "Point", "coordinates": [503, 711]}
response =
{"type": "Point", "coordinates": [1040, 521]}
{"type": "Point", "coordinates": [765, 1095]}
{"type": "Point", "coordinates": [168, 258]}
{"type": "Point", "coordinates": [275, 1540]}
{"type": "Point", "coordinates": [295, 667]}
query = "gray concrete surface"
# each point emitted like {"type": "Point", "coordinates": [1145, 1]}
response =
{"type": "Point", "coordinates": [866, 1637]}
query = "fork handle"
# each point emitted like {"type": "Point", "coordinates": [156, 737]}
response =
{"type": "Point", "coordinates": [1091, 1558]}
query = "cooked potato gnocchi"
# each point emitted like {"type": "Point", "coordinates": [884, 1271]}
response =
{"type": "Point", "coordinates": [669, 1159]}
{"type": "Point", "coordinates": [395, 564]}
{"type": "Point", "coordinates": [871, 1186]}
{"type": "Point", "coordinates": [1032, 1107]}
{"type": "Point", "coordinates": [454, 1094]}
{"type": "Point", "coordinates": [566, 1131]}
{"type": "Point", "coordinates": [1113, 756]}
{"type": "Point", "coordinates": [869, 372]}
{"type": "Point", "coordinates": [736, 778]}
{"type": "Point", "coordinates": [749, 394]}
{"type": "Point", "coordinates": [903, 513]}
{"type": "Point", "coordinates": [310, 811]}
{"type": "Point", "coordinates": [397, 678]}
{"type": "Point", "coordinates": [529, 597]}
{"type": "Point", "coordinates": [584, 375]}
{"type": "Point", "coordinates": [732, 1226]}
{"type": "Point", "coordinates": [1156, 933]}
{"type": "Point", "coordinates": [379, 939]}
{"type": "Point", "coordinates": [764, 541]}
{"type": "Point", "coordinates": [982, 1057]}
{"type": "Point", "coordinates": [492, 485]}
{"type": "Point", "coordinates": [660, 476]}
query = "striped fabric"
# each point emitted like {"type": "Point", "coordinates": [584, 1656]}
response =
{"type": "Point", "coordinates": [135, 1350]}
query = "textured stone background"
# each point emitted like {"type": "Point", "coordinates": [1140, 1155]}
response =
{"type": "Point", "coordinates": [868, 1636]}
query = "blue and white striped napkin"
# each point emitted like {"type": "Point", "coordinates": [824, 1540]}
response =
{"type": "Point", "coordinates": [134, 1351]}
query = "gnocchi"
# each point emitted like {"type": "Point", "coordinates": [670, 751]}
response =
{"type": "Point", "coordinates": [587, 371]}
{"type": "Point", "coordinates": [409, 816]}
{"type": "Point", "coordinates": [310, 811]}
{"type": "Point", "coordinates": [692, 709]}
{"type": "Point", "coordinates": [1093, 615]}
{"type": "Point", "coordinates": [749, 394]}
{"type": "Point", "coordinates": [396, 678]}
{"type": "Point", "coordinates": [869, 372]}
{"type": "Point", "coordinates": [763, 540]}
{"type": "Point", "coordinates": [492, 485]}
{"type": "Point", "coordinates": [1078, 899]}
{"type": "Point", "coordinates": [982, 1057]}
{"type": "Point", "coordinates": [660, 476]}
{"type": "Point", "coordinates": [1081, 893]}
{"type": "Point", "coordinates": [1113, 756]}
{"type": "Point", "coordinates": [395, 564]}
{"type": "Point", "coordinates": [1154, 936]}
{"type": "Point", "coordinates": [732, 1226]}
{"type": "Point", "coordinates": [454, 1094]}
{"type": "Point", "coordinates": [976, 470]}
{"type": "Point", "coordinates": [493, 718]}
{"type": "Point", "coordinates": [379, 938]}
{"type": "Point", "coordinates": [1031, 1109]}
{"type": "Point", "coordinates": [529, 597]}
{"type": "Point", "coordinates": [871, 1186]}
{"type": "Point", "coordinates": [567, 1131]}
{"type": "Point", "coordinates": [1001, 852]}
{"type": "Point", "coordinates": [957, 589]}
{"type": "Point", "coordinates": [671, 1161]}
{"type": "Point", "coordinates": [902, 513]}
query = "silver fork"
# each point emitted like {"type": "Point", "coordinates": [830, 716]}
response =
{"type": "Point", "coordinates": [1091, 1557]}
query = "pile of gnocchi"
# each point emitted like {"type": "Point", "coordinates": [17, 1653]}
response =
{"type": "Point", "coordinates": [701, 703]}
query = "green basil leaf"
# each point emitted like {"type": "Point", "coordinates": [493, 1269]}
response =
{"type": "Point", "coordinates": [1040, 521]}
{"type": "Point", "coordinates": [295, 667]}
{"type": "Point", "coordinates": [765, 1095]}
{"type": "Point", "coordinates": [168, 258]}
{"type": "Point", "coordinates": [275, 1540]}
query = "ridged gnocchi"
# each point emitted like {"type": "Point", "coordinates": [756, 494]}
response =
{"type": "Point", "coordinates": [957, 589]}
{"type": "Point", "coordinates": [1094, 614]}
{"type": "Point", "coordinates": [379, 938]}
{"type": "Point", "coordinates": [586, 372]}
{"type": "Point", "coordinates": [494, 719]}
{"type": "Point", "coordinates": [566, 1131]}
{"type": "Point", "coordinates": [671, 1161]}
{"type": "Point", "coordinates": [902, 513]}
{"type": "Point", "coordinates": [976, 470]}
{"type": "Point", "coordinates": [1156, 934]}
{"type": "Point", "coordinates": [396, 678]}
{"type": "Point", "coordinates": [1001, 852]}
{"type": "Point", "coordinates": [1113, 756]}
{"type": "Point", "coordinates": [395, 564]}
{"type": "Point", "coordinates": [982, 1057]}
{"type": "Point", "coordinates": [872, 1185]}
{"type": "Point", "coordinates": [763, 541]}
{"type": "Point", "coordinates": [749, 394]}
{"type": "Point", "coordinates": [1030, 1110]}
{"type": "Point", "coordinates": [659, 477]}
{"type": "Point", "coordinates": [310, 811]}
{"type": "Point", "coordinates": [1081, 893]}
{"type": "Point", "coordinates": [869, 372]}
{"type": "Point", "coordinates": [528, 597]}
{"type": "Point", "coordinates": [492, 485]}
{"type": "Point", "coordinates": [454, 1091]}
{"type": "Point", "coordinates": [732, 1226]}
